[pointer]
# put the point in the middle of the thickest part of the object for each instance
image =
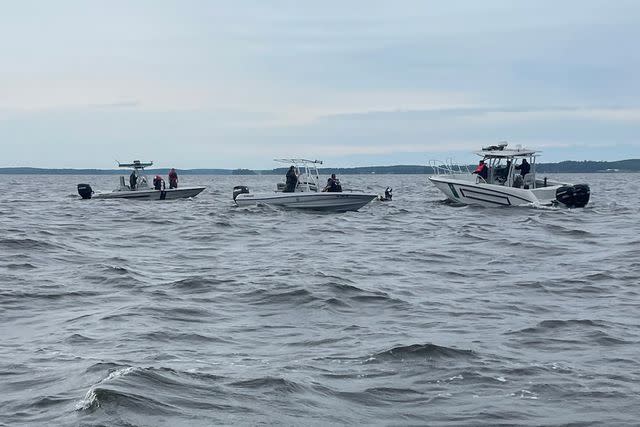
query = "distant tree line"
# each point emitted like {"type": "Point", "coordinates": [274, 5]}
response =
{"type": "Point", "coordinates": [243, 172]}
{"type": "Point", "coordinates": [586, 166]}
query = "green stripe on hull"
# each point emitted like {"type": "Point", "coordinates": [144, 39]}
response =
{"type": "Point", "coordinates": [453, 190]}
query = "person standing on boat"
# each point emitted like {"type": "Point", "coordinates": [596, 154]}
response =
{"type": "Point", "coordinates": [525, 167]}
{"type": "Point", "coordinates": [133, 179]}
{"type": "Point", "coordinates": [173, 178]}
{"type": "Point", "coordinates": [482, 170]}
{"type": "Point", "coordinates": [292, 180]}
{"type": "Point", "coordinates": [333, 185]}
{"type": "Point", "coordinates": [158, 183]}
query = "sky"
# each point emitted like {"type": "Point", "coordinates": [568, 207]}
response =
{"type": "Point", "coordinates": [230, 84]}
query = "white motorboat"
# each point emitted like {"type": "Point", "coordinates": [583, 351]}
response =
{"type": "Point", "coordinates": [306, 195]}
{"type": "Point", "coordinates": [505, 185]}
{"type": "Point", "coordinates": [141, 190]}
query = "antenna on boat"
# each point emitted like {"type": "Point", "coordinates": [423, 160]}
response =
{"type": "Point", "coordinates": [136, 164]}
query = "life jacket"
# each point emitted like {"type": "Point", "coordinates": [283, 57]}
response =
{"type": "Point", "coordinates": [480, 168]}
{"type": "Point", "coordinates": [334, 186]}
{"type": "Point", "coordinates": [157, 183]}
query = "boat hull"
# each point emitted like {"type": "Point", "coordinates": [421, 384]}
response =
{"type": "Point", "coordinates": [335, 202]}
{"type": "Point", "coordinates": [490, 195]}
{"type": "Point", "coordinates": [170, 194]}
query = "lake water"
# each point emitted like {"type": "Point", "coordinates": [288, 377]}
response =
{"type": "Point", "coordinates": [197, 313]}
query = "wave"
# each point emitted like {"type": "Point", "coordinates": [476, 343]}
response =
{"type": "Point", "coordinates": [335, 302]}
{"type": "Point", "coordinates": [20, 295]}
{"type": "Point", "coordinates": [295, 296]}
{"type": "Point", "coordinates": [356, 294]}
{"type": "Point", "coordinates": [422, 351]}
{"type": "Point", "coordinates": [198, 284]}
{"type": "Point", "coordinates": [345, 288]}
{"type": "Point", "coordinates": [397, 395]}
{"type": "Point", "coordinates": [99, 397]}
{"type": "Point", "coordinates": [278, 384]}
{"type": "Point", "coordinates": [79, 339]}
{"type": "Point", "coordinates": [551, 325]}
{"type": "Point", "coordinates": [104, 366]}
{"type": "Point", "coordinates": [21, 266]}
{"type": "Point", "coordinates": [166, 336]}
{"type": "Point", "coordinates": [567, 231]}
{"type": "Point", "coordinates": [28, 244]}
{"type": "Point", "coordinates": [149, 391]}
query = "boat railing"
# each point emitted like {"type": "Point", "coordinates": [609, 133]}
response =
{"type": "Point", "coordinates": [447, 167]}
{"type": "Point", "coordinates": [308, 174]}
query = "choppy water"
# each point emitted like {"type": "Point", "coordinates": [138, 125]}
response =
{"type": "Point", "coordinates": [194, 313]}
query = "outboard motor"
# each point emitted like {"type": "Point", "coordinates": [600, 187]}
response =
{"type": "Point", "coordinates": [574, 196]}
{"type": "Point", "coordinates": [85, 191]}
{"type": "Point", "coordinates": [239, 189]}
{"type": "Point", "coordinates": [388, 195]}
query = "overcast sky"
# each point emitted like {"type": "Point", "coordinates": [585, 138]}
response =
{"type": "Point", "coordinates": [237, 83]}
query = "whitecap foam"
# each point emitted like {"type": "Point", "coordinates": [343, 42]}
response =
{"type": "Point", "coordinates": [90, 399]}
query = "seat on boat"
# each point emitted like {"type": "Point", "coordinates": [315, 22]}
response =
{"type": "Point", "coordinates": [123, 186]}
{"type": "Point", "coordinates": [529, 181]}
{"type": "Point", "coordinates": [517, 181]}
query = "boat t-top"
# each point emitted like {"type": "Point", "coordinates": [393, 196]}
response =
{"type": "Point", "coordinates": [138, 187]}
{"type": "Point", "coordinates": [307, 193]}
{"type": "Point", "coordinates": [507, 182]}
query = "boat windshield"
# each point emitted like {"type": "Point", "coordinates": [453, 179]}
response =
{"type": "Point", "coordinates": [509, 167]}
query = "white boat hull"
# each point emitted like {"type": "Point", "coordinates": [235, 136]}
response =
{"type": "Point", "coordinates": [151, 194]}
{"type": "Point", "coordinates": [506, 177]}
{"type": "Point", "coordinates": [336, 202]}
{"type": "Point", "coordinates": [490, 195]}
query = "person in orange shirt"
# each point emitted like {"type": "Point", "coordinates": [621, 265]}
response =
{"type": "Point", "coordinates": [482, 170]}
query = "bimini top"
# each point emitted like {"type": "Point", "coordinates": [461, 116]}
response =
{"type": "Point", "coordinates": [137, 164]}
{"type": "Point", "coordinates": [501, 150]}
{"type": "Point", "coordinates": [298, 161]}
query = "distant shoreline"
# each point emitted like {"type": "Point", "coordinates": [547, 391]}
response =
{"type": "Point", "coordinates": [629, 165]}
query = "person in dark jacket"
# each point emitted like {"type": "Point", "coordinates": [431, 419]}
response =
{"type": "Point", "coordinates": [173, 178]}
{"type": "Point", "coordinates": [524, 168]}
{"type": "Point", "coordinates": [133, 179]}
{"type": "Point", "coordinates": [482, 170]}
{"type": "Point", "coordinates": [333, 185]}
{"type": "Point", "coordinates": [158, 183]}
{"type": "Point", "coordinates": [292, 180]}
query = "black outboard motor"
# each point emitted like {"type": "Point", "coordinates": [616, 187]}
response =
{"type": "Point", "coordinates": [85, 191]}
{"type": "Point", "coordinates": [388, 195]}
{"type": "Point", "coordinates": [239, 189]}
{"type": "Point", "coordinates": [574, 196]}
